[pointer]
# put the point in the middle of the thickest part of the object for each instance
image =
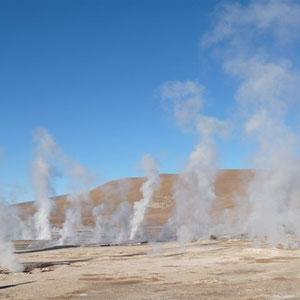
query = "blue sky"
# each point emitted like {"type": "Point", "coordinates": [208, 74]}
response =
{"type": "Point", "coordinates": [88, 72]}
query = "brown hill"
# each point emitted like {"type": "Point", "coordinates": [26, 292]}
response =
{"type": "Point", "coordinates": [228, 183]}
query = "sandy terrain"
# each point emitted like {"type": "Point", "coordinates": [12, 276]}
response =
{"type": "Point", "coordinates": [206, 269]}
{"type": "Point", "coordinates": [228, 184]}
{"type": "Point", "coordinates": [209, 269]}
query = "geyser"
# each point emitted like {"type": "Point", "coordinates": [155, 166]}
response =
{"type": "Point", "coordinates": [42, 176]}
{"type": "Point", "coordinates": [80, 183]}
{"type": "Point", "coordinates": [194, 192]}
{"type": "Point", "coordinates": [268, 92]}
{"type": "Point", "coordinates": [113, 227]}
{"type": "Point", "coordinates": [152, 183]}
{"type": "Point", "coordinates": [8, 259]}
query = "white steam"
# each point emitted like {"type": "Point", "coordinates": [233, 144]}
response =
{"type": "Point", "coordinates": [9, 230]}
{"type": "Point", "coordinates": [42, 176]}
{"type": "Point", "coordinates": [50, 158]}
{"type": "Point", "coordinates": [194, 192]}
{"type": "Point", "coordinates": [115, 227]}
{"type": "Point", "coordinates": [8, 259]}
{"type": "Point", "coordinates": [237, 25]}
{"type": "Point", "coordinates": [81, 180]}
{"type": "Point", "coordinates": [250, 39]}
{"type": "Point", "coordinates": [274, 193]}
{"type": "Point", "coordinates": [152, 183]}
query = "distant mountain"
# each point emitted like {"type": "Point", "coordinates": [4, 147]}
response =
{"type": "Point", "coordinates": [228, 183]}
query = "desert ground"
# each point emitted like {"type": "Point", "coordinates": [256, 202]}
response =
{"type": "Point", "coordinates": [216, 268]}
{"type": "Point", "coordinates": [204, 269]}
{"type": "Point", "coordinates": [229, 183]}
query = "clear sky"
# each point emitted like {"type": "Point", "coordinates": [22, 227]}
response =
{"type": "Point", "coordinates": [88, 72]}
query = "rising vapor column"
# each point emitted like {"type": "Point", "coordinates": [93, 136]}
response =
{"type": "Point", "coordinates": [8, 258]}
{"type": "Point", "coordinates": [148, 188]}
{"type": "Point", "coordinates": [42, 175]}
{"type": "Point", "coordinates": [258, 44]}
{"type": "Point", "coordinates": [194, 192]}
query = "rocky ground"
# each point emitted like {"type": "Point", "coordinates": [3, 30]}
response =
{"type": "Point", "coordinates": [205, 269]}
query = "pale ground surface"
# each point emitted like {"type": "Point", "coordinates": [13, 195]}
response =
{"type": "Point", "coordinates": [209, 269]}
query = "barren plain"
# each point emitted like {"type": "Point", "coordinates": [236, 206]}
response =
{"type": "Point", "coordinates": [221, 268]}
{"type": "Point", "coordinates": [205, 269]}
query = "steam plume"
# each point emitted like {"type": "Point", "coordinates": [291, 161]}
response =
{"type": "Point", "coordinates": [194, 192]}
{"type": "Point", "coordinates": [7, 257]}
{"type": "Point", "coordinates": [152, 183]}
{"type": "Point", "coordinates": [114, 229]}
{"type": "Point", "coordinates": [269, 85]}
{"type": "Point", "coordinates": [43, 173]}
{"type": "Point", "coordinates": [81, 180]}
{"type": "Point", "coordinates": [11, 227]}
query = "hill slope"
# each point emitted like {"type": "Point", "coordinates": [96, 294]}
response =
{"type": "Point", "coordinates": [228, 183]}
